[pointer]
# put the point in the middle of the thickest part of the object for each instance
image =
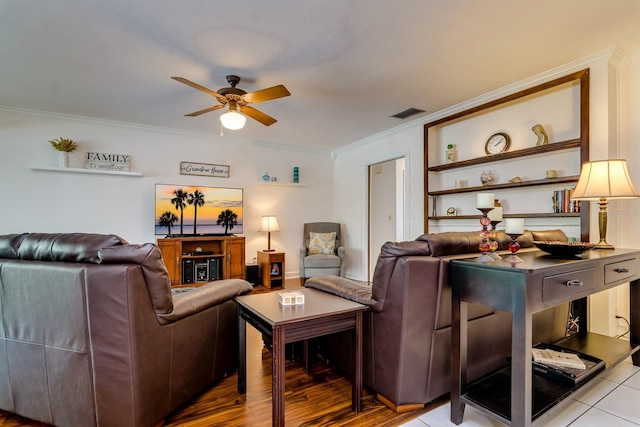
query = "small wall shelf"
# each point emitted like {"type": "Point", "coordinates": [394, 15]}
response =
{"type": "Point", "coordinates": [281, 184]}
{"type": "Point", "coordinates": [86, 171]}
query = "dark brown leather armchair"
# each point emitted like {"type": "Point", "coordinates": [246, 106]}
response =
{"type": "Point", "coordinates": [92, 335]}
{"type": "Point", "coordinates": [407, 332]}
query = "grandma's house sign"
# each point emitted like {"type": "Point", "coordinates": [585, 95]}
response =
{"type": "Point", "coordinates": [204, 169]}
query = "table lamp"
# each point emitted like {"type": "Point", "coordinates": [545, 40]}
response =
{"type": "Point", "coordinates": [602, 180]}
{"type": "Point", "coordinates": [269, 223]}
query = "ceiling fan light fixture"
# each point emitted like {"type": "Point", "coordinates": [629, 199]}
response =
{"type": "Point", "coordinates": [232, 119]}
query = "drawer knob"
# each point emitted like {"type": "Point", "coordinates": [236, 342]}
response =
{"type": "Point", "coordinates": [574, 283]}
{"type": "Point", "coordinates": [621, 270]}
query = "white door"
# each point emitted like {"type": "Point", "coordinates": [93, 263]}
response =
{"type": "Point", "coordinates": [386, 206]}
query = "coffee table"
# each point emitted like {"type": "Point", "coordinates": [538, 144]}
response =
{"type": "Point", "coordinates": [321, 314]}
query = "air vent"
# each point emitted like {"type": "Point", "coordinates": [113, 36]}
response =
{"type": "Point", "coordinates": [408, 112]}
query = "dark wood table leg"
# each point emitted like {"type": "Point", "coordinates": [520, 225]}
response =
{"type": "Point", "coordinates": [458, 356]}
{"type": "Point", "coordinates": [356, 392]}
{"type": "Point", "coordinates": [305, 357]}
{"type": "Point", "coordinates": [521, 369]}
{"type": "Point", "coordinates": [277, 381]}
{"type": "Point", "coordinates": [634, 321]}
{"type": "Point", "coordinates": [242, 355]}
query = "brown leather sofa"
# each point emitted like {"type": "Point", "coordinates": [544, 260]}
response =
{"type": "Point", "coordinates": [407, 341]}
{"type": "Point", "coordinates": [91, 334]}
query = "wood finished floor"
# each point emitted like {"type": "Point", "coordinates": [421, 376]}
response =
{"type": "Point", "coordinates": [320, 399]}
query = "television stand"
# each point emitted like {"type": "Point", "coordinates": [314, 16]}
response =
{"type": "Point", "coordinates": [226, 254]}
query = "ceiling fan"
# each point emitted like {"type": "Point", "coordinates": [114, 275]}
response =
{"type": "Point", "coordinates": [238, 99]}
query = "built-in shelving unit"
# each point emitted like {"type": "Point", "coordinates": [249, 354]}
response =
{"type": "Point", "coordinates": [86, 171]}
{"type": "Point", "coordinates": [578, 148]}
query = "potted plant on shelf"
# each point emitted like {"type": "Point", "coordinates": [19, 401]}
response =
{"type": "Point", "coordinates": [64, 146]}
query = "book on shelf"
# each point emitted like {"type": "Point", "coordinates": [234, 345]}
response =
{"type": "Point", "coordinates": [559, 359]}
{"type": "Point", "coordinates": [562, 202]}
{"type": "Point", "coordinates": [567, 375]}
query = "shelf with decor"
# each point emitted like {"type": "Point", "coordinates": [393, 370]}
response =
{"type": "Point", "coordinates": [516, 109]}
{"type": "Point", "coordinates": [86, 171]}
{"type": "Point", "coordinates": [532, 183]}
{"type": "Point", "coordinates": [281, 184]}
{"type": "Point", "coordinates": [518, 215]}
{"type": "Point", "coordinates": [547, 148]}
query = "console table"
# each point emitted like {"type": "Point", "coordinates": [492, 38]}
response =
{"type": "Point", "coordinates": [538, 283]}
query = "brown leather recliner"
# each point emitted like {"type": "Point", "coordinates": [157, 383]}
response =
{"type": "Point", "coordinates": [91, 334]}
{"type": "Point", "coordinates": [407, 332]}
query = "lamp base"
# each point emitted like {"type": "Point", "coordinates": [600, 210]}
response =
{"type": "Point", "coordinates": [268, 250]}
{"type": "Point", "coordinates": [603, 245]}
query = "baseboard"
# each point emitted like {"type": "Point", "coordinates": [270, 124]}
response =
{"type": "Point", "coordinates": [400, 409]}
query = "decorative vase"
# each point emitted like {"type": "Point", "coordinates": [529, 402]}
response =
{"type": "Point", "coordinates": [63, 159]}
{"type": "Point", "coordinates": [266, 177]}
{"type": "Point", "coordinates": [486, 178]}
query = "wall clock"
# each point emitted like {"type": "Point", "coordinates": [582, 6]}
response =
{"type": "Point", "coordinates": [497, 143]}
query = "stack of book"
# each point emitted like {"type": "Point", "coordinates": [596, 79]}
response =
{"type": "Point", "coordinates": [564, 366]}
{"type": "Point", "coordinates": [562, 202]}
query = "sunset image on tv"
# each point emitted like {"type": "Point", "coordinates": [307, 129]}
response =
{"type": "Point", "coordinates": [196, 210]}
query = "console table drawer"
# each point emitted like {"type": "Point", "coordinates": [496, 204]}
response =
{"type": "Point", "coordinates": [620, 271]}
{"type": "Point", "coordinates": [565, 284]}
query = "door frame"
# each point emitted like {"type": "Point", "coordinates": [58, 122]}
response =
{"type": "Point", "coordinates": [405, 207]}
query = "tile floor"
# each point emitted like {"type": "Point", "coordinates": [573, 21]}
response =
{"type": "Point", "coordinates": [612, 400]}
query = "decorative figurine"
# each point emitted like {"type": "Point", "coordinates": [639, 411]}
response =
{"type": "Point", "coordinates": [541, 134]}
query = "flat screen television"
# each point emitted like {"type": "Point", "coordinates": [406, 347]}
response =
{"type": "Point", "coordinates": [188, 210]}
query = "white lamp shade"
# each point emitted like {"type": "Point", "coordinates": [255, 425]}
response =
{"type": "Point", "coordinates": [233, 120]}
{"type": "Point", "coordinates": [269, 223]}
{"type": "Point", "coordinates": [605, 178]}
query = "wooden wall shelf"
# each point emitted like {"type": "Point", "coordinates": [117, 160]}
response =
{"type": "Point", "coordinates": [86, 171]}
{"type": "Point", "coordinates": [555, 146]}
{"type": "Point", "coordinates": [545, 181]}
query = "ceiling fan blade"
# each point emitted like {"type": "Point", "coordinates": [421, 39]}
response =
{"type": "Point", "coordinates": [266, 94]}
{"type": "Point", "coordinates": [258, 115]}
{"type": "Point", "coordinates": [206, 110]}
{"type": "Point", "coordinates": [197, 86]}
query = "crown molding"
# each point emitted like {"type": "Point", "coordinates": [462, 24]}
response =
{"type": "Point", "coordinates": [158, 129]}
{"type": "Point", "coordinates": [613, 55]}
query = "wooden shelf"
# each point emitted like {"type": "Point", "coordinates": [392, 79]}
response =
{"type": "Point", "coordinates": [530, 151]}
{"type": "Point", "coordinates": [545, 181]}
{"type": "Point", "coordinates": [520, 215]}
{"type": "Point", "coordinates": [86, 171]}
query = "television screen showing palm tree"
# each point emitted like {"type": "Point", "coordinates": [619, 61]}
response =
{"type": "Point", "coordinates": [196, 210]}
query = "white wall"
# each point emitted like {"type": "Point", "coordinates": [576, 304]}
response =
{"type": "Point", "coordinates": [350, 189]}
{"type": "Point", "coordinates": [61, 202]}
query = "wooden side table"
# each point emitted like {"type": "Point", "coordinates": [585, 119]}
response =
{"type": "Point", "coordinates": [321, 314]}
{"type": "Point", "coordinates": [271, 265]}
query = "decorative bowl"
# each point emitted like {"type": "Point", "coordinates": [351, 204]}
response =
{"type": "Point", "coordinates": [563, 249]}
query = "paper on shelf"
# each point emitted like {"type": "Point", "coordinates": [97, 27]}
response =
{"type": "Point", "coordinates": [557, 358]}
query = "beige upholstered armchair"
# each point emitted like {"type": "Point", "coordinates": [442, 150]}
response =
{"type": "Point", "coordinates": [321, 252]}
